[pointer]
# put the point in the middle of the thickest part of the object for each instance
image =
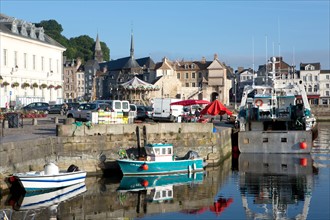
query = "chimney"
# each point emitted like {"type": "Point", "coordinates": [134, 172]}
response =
{"type": "Point", "coordinates": [203, 60]}
{"type": "Point", "coordinates": [215, 56]}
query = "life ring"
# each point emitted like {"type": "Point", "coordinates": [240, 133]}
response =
{"type": "Point", "coordinates": [259, 102]}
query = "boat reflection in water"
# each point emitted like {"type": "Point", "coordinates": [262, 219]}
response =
{"type": "Point", "coordinates": [158, 188]}
{"type": "Point", "coordinates": [275, 186]}
{"type": "Point", "coordinates": [33, 201]}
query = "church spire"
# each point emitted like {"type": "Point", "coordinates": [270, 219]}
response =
{"type": "Point", "coordinates": [132, 45]}
{"type": "Point", "coordinates": [98, 54]}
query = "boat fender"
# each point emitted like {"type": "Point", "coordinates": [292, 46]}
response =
{"type": "Point", "coordinates": [259, 102]}
{"type": "Point", "coordinates": [144, 167]}
{"type": "Point", "coordinates": [303, 145]}
{"type": "Point", "coordinates": [73, 168]}
{"type": "Point", "coordinates": [144, 183]}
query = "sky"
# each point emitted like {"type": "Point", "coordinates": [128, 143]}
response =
{"type": "Point", "coordinates": [242, 33]}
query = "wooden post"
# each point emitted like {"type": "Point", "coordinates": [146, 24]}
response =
{"type": "Point", "coordinates": [145, 137]}
{"type": "Point", "coordinates": [138, 140]}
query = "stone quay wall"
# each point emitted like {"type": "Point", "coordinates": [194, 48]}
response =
{"type": "Point", "coordinates": [87, 147]}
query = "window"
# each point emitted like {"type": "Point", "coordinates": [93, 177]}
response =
{"type": "Point", "coordinates": [265, 140]}
{"type": "Point", "coordinates": [309, 88]}
{"type": "Point", "coordinates": [200, 75]}
{"type": "Point", "coordinates": [187, 75]}
{"type": "Point", "coordinates": [327, 76]}
{"type": "Point", "coordinates": [327, 85]}
{"type": "Point", "coordinates": [15, 58]}
{"type": "Point", "coordinates": [304, 78]}
{"type": "Point", "coordinates": [5, 57]}
{"type": "Point", "coordinates": [178, 75]}
{"type": "Point", "coordinates": [42, 63]}
{"type": "Point", "coordinates": [315, 88]}
{"type": "Point", "coordinates": [187, 84]}
{"type": "Point", "coordinates": [34, 62]}
{"type": "Point", "coordinates": [193, 84]}
{"type": "Point", "coordinates": [310, 78]}
{"type": "Point", "coordinates": [315, 78]}
{"type": "Point", "coordinates": [169, 150]}
{"type": "Point", "coordinates": [163, 151]}
{"type": "Point", "coordinates": [283, 140]}
{"type": "Point", "coordinates": [25, 60]}
{"type": "Point", "coordinates": [193, 75]}
{"type": "Point", "coordinates": [327, 93]}
{"type": "Point", "coordinates": [50, 64]}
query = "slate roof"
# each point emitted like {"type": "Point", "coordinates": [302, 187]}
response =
{"type": "Point", "coordinates": [147, 62]}
{"type": "Point", "coordinates": [6, 26]}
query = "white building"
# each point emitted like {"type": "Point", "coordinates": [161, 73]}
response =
{"type": "Point", "coordinates": [324, 87]}
{"type": "Point", "coordinates": [31, 64]}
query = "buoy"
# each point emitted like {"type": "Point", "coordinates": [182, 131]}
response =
{"type": "Point", "coordinates": [303, 145]}
{"type": "Point", "coordinates": [145, 167]}
{"type": "Point", "coordinates": [145, 183]}
{"type": "Point", "coordinates": [303, 162]}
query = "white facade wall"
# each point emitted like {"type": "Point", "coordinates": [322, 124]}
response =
{"type": "Point", "coordinates": [29, 69]}
{"type": "Point", "coordinates": [325, 88]}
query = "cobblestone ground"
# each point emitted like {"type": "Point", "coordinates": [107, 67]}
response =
{"type": "Point", "coordinates": [26, 130]}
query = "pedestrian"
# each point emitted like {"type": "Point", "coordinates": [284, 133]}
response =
{"type": "Point", "coordinates": [197, 114]}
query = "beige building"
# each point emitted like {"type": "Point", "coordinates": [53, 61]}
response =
{"type": "Point", "coordinates": [203, 79]}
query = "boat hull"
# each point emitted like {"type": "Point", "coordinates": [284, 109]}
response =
{"type": "Point", "coordinates": [275, 141]}
{"type": "Point", "coordinates": [35, 200]}
{"type": "Point", "coordinates": [31, 181]}
{"type": "Point", "coordinates": [133, 167]}
{"type": "Point", "coordinates": [143, 182]}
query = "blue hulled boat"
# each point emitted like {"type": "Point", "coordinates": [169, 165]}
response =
{"type": "Point", "coordinates": [159, 159]}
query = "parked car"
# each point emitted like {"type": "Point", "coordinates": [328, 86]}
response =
{"type": "Point", "coordinates": [37, 106]}
{"type": "Point", "coordinates": [143, 112]}
{"type": "Point", "coordinates": [83, 112]}
{"type": "Point", "coordinates": [56, 109]}
{"type": "Point", "coordinates": [73, 105]}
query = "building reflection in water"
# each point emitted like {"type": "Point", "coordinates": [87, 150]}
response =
{"type": "Point", "coordinates": [274, 186]}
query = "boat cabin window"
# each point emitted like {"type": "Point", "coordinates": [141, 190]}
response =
{"type": "Point", "coordinates": [157, 151]}
{"type": "Point", "coordinates": [163, 150]}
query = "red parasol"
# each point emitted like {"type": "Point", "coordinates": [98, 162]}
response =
{"type": "Point", "coordinates": [216, 108]}
{"type": "Point", "coordinates": [190, 102]}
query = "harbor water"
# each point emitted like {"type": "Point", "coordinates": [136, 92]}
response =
{"type": "Point", "coordinates": [245, 186]}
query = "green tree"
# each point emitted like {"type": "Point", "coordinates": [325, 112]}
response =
{"type": "Point", "coordinates": [82, 46]}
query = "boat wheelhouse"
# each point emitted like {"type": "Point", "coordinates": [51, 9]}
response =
{"type": "Point", "coordinates": [159, 159]}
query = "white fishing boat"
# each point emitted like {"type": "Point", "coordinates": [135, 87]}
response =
{"type": "Point", "coordinates": [51, 177]}
{"type": "Point", "coordinates": [48, 198]}
{"type": "Point", "coordinates": [275, 118]}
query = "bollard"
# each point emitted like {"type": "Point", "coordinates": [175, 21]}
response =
{"type": "Point", "coordinates": [69, 121]}
{"type": "Point", "coordinates": [5, 124]}
{"type": "Point", "coordinates": [56, 120]}
{"type": "Point", "coordinates": [34, 121]}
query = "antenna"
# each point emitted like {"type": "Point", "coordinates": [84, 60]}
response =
{"type": "Point", "coordinates": [279, 47]}
{"type": "Point", "coordinates": [253, 62]}
{"type": "Point", "coordinates": [266, 64]}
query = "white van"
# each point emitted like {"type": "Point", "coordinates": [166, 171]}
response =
{"type": "Point", "coordinates": [163, 111]}
{"type": "Point", "coordinates": [116, 105]}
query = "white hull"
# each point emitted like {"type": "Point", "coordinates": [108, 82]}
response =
{"type": "Point", "coordinates": [35, 181]}
{"type": "Point", "coordinates": [274, 141]}
{"type": "Point", "coordinates": [36, 201]}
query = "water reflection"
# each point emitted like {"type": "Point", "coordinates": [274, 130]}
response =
{"type": "Point", "coordinates": [275, 186]}
{"type": "Point", "coordinates": [31, 204]}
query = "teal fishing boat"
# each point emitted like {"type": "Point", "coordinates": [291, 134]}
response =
{"type": "Point", "coordinates": [159, 159]}
{"type": "Point", "coordinates": [137, 183]}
